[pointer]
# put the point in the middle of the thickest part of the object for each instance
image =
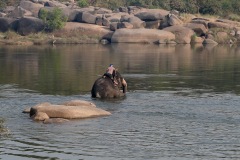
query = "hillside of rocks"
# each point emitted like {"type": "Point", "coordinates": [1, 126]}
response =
{"type": "Point", "coordinates": [130, 24]}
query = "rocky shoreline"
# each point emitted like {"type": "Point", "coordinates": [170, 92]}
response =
{"type": "Point", "coordinates": [130, 24]}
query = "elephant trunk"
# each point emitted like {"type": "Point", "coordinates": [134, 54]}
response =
{"type": "Point", "coordinates": [124, 85]}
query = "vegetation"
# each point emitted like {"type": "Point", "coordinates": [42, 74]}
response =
{"type": "Point", "coordinates": [53, 19]}
{"type": "Point", "coordinates": [219, 7]}
{"type": "Point", "coordinates": [3, 131]}
{"type": "Point", "coordinates": [82, 3]}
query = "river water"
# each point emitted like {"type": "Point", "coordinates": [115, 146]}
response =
{"type": "Point", "coordinates": [182, 102]}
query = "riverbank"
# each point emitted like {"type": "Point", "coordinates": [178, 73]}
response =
{"type": "Point", "coordinates": [130, 24]}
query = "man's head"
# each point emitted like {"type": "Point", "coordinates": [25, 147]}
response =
{"type": "Point", "coordinates": [111, 65]}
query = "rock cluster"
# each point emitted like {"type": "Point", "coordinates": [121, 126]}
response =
{"type": "Point", "coordinates": [130, 24]}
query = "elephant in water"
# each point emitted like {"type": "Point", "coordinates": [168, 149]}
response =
{"type": "Point", "coordinates": [58, 113]}
{"type": "Point", "coordinates": [104, 87]}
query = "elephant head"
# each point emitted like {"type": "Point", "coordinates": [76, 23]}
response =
{"type": "Point", "coordinates": [104, 87]}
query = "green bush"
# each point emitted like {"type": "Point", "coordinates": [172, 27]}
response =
{"type": "Point", "coordinates": [53, 19]}
{"type": "Point", "coordinates": [82, 3]}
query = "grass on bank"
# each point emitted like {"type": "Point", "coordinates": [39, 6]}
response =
{"type": "Point", "coordinates": [41, 38]}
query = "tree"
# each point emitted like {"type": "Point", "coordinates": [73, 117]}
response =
{"type": "Point", "coordinates": [192, 6]}
{"type": "Point", "coordinates": [83, 3]}
{"type": "Point", "coordinates": [53, 19]}
{"type": "Point", "coordinates": [178, 5]}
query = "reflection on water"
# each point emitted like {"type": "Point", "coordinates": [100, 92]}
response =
{"type": "Point", "coordinates": [183, 102]}
{"type": "Point", "coordinates": [67, 70]}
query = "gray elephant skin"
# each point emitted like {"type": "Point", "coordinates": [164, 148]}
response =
{"type": "Point", "coordinates": [105, 88]}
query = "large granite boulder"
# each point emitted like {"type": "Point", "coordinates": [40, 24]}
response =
{"type": "Point", "coordinates": [102, 11]}
{"type": "Point", "coordinates": [89, 18]}
{"type": "Point", "coordinates": [152, 14]}
{"type": "Point", "coordinates": [153, 24]}
{"type": "Point", "coordinates": [199, 29]}
{"type": "Point", "coordinates": [54, 4]}
{"type": "Point", "coordinates": [32, 7]}
{"type": "Point", "coordinates": [6, 24]}
{"type": "Point", "coordinates": [173, 20]}
{"type": "Point", "coordinates": [101, 31]}
{"type": "Point", "coordinates": [141, 36]}
{"type": "Point", "coordinates": [124, 25]}
{"type": "Point", "coordinates": [28, 25]}
{"type": "Point", "coordinates": [72, 110]}
{"type": "Point", "coordinates": [20, 12]}
{"type": "Point", "coordinates": [203, 21]}
{"type": "Point", "coordinates": [135, 21]}
{"type": "Point", "coordinates": [220, 25]}
{"type": "Point", "coordinates": [86, 17]}
{"type": "Point", "coordinates": [134, 9]}
{"type": "Point", "coordinates": [71, 14]}
{"type": "Point", "coordinates": [183, 34]}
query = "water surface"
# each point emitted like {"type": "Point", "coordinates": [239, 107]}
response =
{"type": "Point", "coordinates": [182, 103]}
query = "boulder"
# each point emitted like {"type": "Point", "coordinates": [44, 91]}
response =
{"type": "Point", "coordinates": [86, 17]}
{"type": "Point", "coordinates": [114, 26]}
{"type": "Point", "coordinates": [199, 29]}
{"type": "Point", "coordinates": [66, 111]}
{"type": "Point", "coordinates": [175, 12]}
{"type": "Point", "coordinates": [6, 24]}
{"type": "Point", "coordinates": [71, 14]}
{"type": "Point", "coordinates": [28, 25]}
{"type": "Point", "coordinates": [135, 21]}
{"type": "Point", "coordinates": [222, 37]}
{"type": "Point", "coordinates": [101, 31]}
{"type": "Point", "coordinates": [105, 21]}
{"type": "Point", "coordinates": [152, 24]}
{"type": "Point", "coordinates": [99, 21]}
{"type": "Point", "coordinates": [199, 21]}
{"type": "Point", "coordinates": [209, 41]}
{"type": "Point", "coordinates": [103, 11]}
{"type": "Point", "coordinates": [233, 23]}
{"type": "Point", "coordinates": [19, 12]}
{"type": "Point", "coordinates": [140, 36]}
{"type": "Point", "coordinates": [124, 25]}
{"type": "Point", "coordinates": [197, 40]}
{"type": "Point", "coordinates": [32, 7]}
{"type": "Point", "coordinates": [54, 4]}
{"type": "Point", "coordinates": [173, 20]}
{"type": "Point", "coordinates": [152, 14]}
{"type": "Point", "coordinates": [104, 41]}
{"type": "Point", "coordinates": [41, 1]}
{"type": "Point", "coordinates": [134, 9]}
{"type": "Point", "coordinates": [115, 17]}
{"type": "Point", "coordinates": [123, 9]}
{"type": "Point", "coordinates": [2, 14]}
{"type": "Point", "coordinates": [183, 34]}
{"type": "Point", "coordinates": [220, 25]}
{"type": "Point", "coordinates": [8, 9]}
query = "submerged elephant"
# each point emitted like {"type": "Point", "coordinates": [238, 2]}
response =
{"type": "Point", "coordinates": [58, 113]}
{"type": "Point", "coordinates": [104, 87]}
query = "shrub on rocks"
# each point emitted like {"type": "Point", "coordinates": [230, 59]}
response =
{"type": "Point", "coordinates": [53, 19]}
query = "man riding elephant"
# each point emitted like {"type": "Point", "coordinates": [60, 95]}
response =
{"type": "Point", "coordinates": [110, 73]}
{"type": "Point", "coordinates": [110, 85]}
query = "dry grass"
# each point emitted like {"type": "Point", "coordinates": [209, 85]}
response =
{"type": "Point", "coordinates": [61, 36]}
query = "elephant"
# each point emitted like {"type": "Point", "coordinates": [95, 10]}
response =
{"type": "Point", "coordinates": [57, 113]}
{"type": "Point", "coordinates": [104, 87]}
